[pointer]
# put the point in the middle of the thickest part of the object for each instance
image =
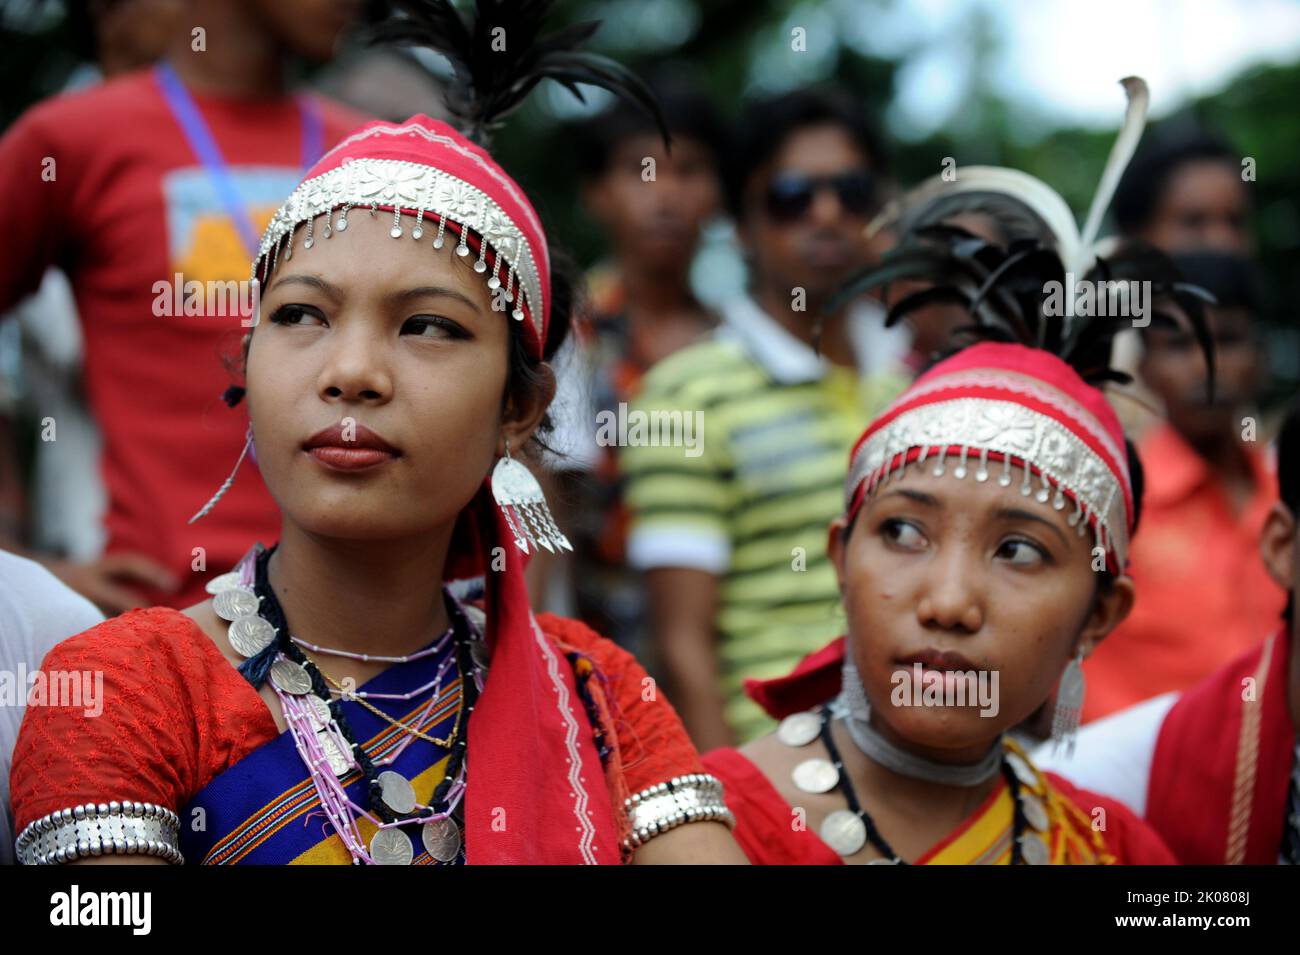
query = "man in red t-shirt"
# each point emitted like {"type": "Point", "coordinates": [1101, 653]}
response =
{"type": "Point", "coordinates": [139, 188]}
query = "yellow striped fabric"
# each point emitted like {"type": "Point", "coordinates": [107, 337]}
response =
{"type": "Point", "coordinates": [767, 484]}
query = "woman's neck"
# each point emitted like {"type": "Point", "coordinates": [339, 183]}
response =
{"type": "Point", "coordinates": [381, 597]}
{"type": "Point", "coordinates": [936, 800]}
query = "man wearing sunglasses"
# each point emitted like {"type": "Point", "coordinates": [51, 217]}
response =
{"type": "Point", "coordinates": [732, 539]}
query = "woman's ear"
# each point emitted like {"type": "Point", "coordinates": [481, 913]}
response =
{"type": "Point", "coordinates": [1277, 546]}
{"type": "Point", "coordinates": [836, 544]}
{"type": "Point", "coordinates": [524, 409]}
{"type": "Point", "coordinates": [1109, 609]}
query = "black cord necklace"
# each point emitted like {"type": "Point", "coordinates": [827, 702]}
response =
{"type": "Point", "coordinates": [845, 786]}
{"type": "Point", "coordinates": [273, 613]}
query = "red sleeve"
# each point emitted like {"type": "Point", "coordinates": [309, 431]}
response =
{"type": "Point", "coordinates": [653, 744]}
{"type": "Point", "coordinates": [339, 119]}
{"type": "Point", "coordinates": [157, 719]}
{"type": "Point", "coordinates": [1129, 839]}
{"type": "Point", "coordinates": [35, 205]}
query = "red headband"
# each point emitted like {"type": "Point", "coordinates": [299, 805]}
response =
{"type": "Point", "coordinates": [1023, 407]}
{"type": "Point", "coordinates": [424, 168]}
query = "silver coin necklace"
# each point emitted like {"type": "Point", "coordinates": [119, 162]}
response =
{"type": "Point", "coordinates": [389, 794]}
{"type": "Point", "coordinates": [848, 830]}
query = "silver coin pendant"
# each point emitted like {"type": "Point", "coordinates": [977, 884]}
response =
{"type": "Point", "coordinates": [815, 776]}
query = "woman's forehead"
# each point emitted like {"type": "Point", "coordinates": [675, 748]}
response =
{"type": "Point", "coordinates": [366, 262]}
{"type": "Point", "coordinates": [969, 499]}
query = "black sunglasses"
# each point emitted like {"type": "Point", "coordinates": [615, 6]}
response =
{"type": "Point", "coordinates": [790, 195]}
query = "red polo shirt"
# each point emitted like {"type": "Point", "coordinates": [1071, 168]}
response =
{"type": "Point", "coordinates": [1203, 595]}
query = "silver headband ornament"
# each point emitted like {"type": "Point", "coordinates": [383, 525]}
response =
{"type": "Point", "coordinates": [419, 189]}
{"type": "Point", "coordinates": [979, 426]}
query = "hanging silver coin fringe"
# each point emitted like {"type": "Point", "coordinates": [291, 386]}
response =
{"type": "Point", "coordinates": [1069, 706]}
{"type": "Point", "coordinates": [521, 500]}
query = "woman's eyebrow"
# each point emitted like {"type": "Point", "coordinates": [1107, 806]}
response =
{"type": "Point", "coordinates": [434, 291]}
{"type": "Point", "coordinates": [1016, 514]}
{"type": "Point", "coordinates": [920, 497]}
{"type": "Point", "coordinates": [311, 281]}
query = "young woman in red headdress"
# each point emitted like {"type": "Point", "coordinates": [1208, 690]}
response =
{"type": "Point", "coordinates": [374, 688]}
{"type": "Point", "coordinates": [981, 558]}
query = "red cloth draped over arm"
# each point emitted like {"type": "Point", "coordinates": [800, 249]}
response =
{"type": "Point", "coordinates": [173, 713]}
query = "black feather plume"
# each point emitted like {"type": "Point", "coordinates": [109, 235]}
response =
{"type": "Point", "coordinates": [501, 55]}
{"type": "Point", "coordinates": [1006, 291]}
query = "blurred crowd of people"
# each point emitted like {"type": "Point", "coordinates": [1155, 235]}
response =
{"type": "Point", "coordinates": [713, 567]}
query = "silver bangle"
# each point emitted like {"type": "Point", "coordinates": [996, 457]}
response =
{"type": "Point", "coordinates": [113, 828]}
{"type": "Point", "coordinates": [665, 806]}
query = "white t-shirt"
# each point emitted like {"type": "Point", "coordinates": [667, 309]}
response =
{"type": "Point", "coordinates": [36, 611]}
{"type": "Point", "coordinates": [1113, 755]}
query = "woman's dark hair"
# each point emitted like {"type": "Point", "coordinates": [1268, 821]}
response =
{"type": "Point", "coordinates": [1137, 477]}
{"type": "Point", "coordinates": [523, 379]}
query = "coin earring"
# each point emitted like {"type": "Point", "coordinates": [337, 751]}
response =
{"type": "Point", "coordinates": [212, 502]}
{"type": "Point", "coordinates": [1069, 706]}
{"type": "Point", "coordinates": [522, 502]}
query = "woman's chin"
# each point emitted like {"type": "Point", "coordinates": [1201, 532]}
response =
{"type": "Point", "coordinates": [944, 729]}
{"type": "Point", "coordinates": [350, 523]}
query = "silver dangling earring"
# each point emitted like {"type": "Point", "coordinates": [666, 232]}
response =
{"type": "Point", "coordinates": [521, 500]}
{"type": "Point", "coordinates": [1069, 706]}
{"type": "Point", "coordinates": [212, 502]}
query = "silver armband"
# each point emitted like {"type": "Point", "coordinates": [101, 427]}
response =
{"type": "Point", "coordinates": [693, 798]}
{"type": "Point", "coordinates": [113, 828]}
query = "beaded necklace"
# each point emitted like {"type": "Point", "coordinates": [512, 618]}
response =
{"type": "Point", "coordinates": [325, 741]}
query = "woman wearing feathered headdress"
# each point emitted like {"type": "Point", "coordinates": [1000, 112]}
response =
{"type": "Point", "coordinates": [340, 700]}
{"type": "Point", "coordinates": [981, 555]}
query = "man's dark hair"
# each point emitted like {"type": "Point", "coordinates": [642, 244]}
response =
{"type": "Point", "coordinates": [688, 112]}
{"type": "Point", "coordinates": [1288, 460]}
{"type": "Point", "coordinates": [1144, 182]}
{"type": "Point", "coordinates": [766, 124]}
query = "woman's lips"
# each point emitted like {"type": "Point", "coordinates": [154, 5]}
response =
{"type": "Point", "coordinates": [350, 459]}
{"type": "Point", "coordinates": [932, 659]}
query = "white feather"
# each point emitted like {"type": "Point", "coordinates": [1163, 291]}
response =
{"type": "Point", "coordinates": [1075, 247]}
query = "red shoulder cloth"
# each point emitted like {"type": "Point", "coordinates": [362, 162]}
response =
{"type": "Point", "coordinates": [1222, 762]}
{"type": "Point", "coordinates": [763, 819]}
{"type": "Point", "coordinates": [653, 745]}
{"type": "Point", "coordinates": [169, 713]}
{"type": "Point", "coordinates": [815, 680]}
{"type": "Point", "coordinates": [1129, 839]}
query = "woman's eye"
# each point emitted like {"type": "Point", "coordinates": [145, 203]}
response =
{"type": "Point", "coordinates": [902, 533]}
{"type": "Point", "coordinates": [295, 315]}
{"type": "Point", "coordinates": [1021, 552]}
{"type": "Point", "coordinates": [433, 326]}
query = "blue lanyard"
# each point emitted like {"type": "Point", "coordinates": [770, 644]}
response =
{"type": "Point", "coordinates": [208, 152]}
